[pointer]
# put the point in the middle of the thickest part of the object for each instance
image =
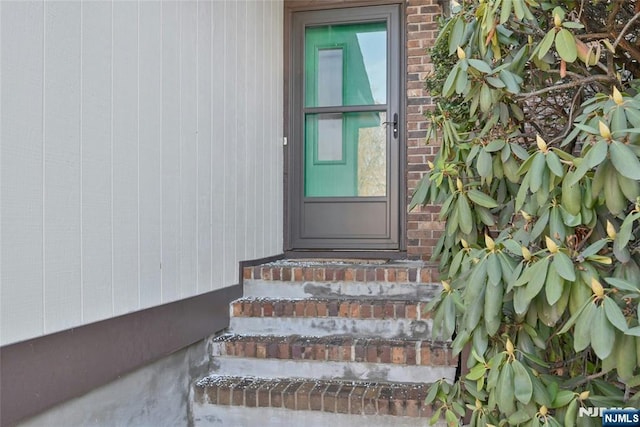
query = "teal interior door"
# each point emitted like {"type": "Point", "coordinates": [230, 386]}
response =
{"type": "Point", "coordinates": [345, 148]}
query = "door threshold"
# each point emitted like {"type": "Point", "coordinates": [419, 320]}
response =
{"type": "Point", "coordinates": [347, 255]}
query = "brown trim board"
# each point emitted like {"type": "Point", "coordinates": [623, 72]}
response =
{"type": "Point", "coordinates": [42, 372]}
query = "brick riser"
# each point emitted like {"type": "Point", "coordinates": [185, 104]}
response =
{"type": "Point", "coordinates": [358, 398]}
{"type": "Point", "coordinates": [334, 340]}
{"type": "Point", "coordinates": [354, 309]}
{"type": "Point", "coordinates": [336, 349]}
{"type": "Point", "coordinates": [339, 273]}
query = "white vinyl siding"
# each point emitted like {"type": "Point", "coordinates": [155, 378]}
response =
{"type": "Point", "coordinates": [140, 154]}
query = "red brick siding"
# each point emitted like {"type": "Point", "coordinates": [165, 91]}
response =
{"type": "Point", "coordinates": [423, 227]}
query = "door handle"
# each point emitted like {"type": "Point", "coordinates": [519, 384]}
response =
{"type": "Point", "coordinates": [395, 125]}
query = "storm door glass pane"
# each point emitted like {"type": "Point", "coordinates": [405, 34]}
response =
{"type": "Point", "coordinates": [330, 77]}
{"type": "Point", "coordinates": [330, 141]}
{"type": "Point", "coordinates": [346, 64]}
{"type": "Point", "coordinates": [345, 155]}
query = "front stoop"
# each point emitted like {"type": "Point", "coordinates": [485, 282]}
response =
{"type": "Point", "coordinates": [326, 343]}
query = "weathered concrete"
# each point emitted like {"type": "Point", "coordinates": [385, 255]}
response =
{"type": "Point", "coordinates": [319, 327]}
{"type": "Point", "coordinates": [239, 416]}
{"type": "Point", "coordinates": [326, 370]}
{"type": "Point", "coordinates": [320, 289]}
{"type": "Point", "coordinates": [155, 395]}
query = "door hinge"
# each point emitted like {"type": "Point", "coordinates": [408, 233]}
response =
{"type": "Point", "coordinates": [284, 141]}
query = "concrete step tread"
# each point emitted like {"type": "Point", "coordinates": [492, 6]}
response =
{"type": "Point", "coordinates": [337, 271]}
{"type": "Point", "coordinates": [381, 291]}
{"type": "Point", "coordinates": [336, 348]}
{"type": "Point", "coordinates": [350, 307]}
{"type": "Point", "coordinates": [342, 397]}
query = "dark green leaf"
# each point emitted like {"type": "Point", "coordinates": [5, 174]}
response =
{"type": "Point", "coordinates": [539, 275]}
{"type": "Point", "coordinates": [554, 285]}
{"type": "Point", "coordinates": [493, 308]}
{"type": "Point", "coordinates": [594, 157]}
{"type": "Point", "coordinates": [431, 394]}
{"type": "Point", "coordinates": [563, 398]}
{"type": "Point", "coordinates": [546, 43]}
{"type": "Point", "coordinates": [456, 35]}
{"type": "Point", "coordinates": [449, 84]}
{"type": "Point", "coordinates": [564, 266]}
{"type": "Point", "coordinates": [422, 192]}
{"type": "Point", "coordinates": [484, 164]}
{"type": "Point", "coordinates": [553, 162]}
{"type": "Point", "coordinates": [480, 65]}
{"type": "Point", "coordinates": [495, 145]}
{"type": "Point", "coordinates": [495, 82]}
{"type": "Point", "coordinates": [504, 390]}
{"type": "Point", "coordinates": [452, 418]}
{"type": "Point", "coordinates": [602, 334]}
{"type": "Point", "coordinates": [520, 300]}
{"type": "Point", "coordinates": [522, 383]}
{"type": "Point", "coordinates": [618, 120]}
{"type": "Point", "coordinates": [594, 248]}
{"type": "Point", "coordinates": [614, 314]}
{"type": "Point", "coordinates": [584, 322]}
{"type": "Point", "coordinates": [482, 199]}
{"type": "Point", "coordinates": [519, 417]}
{"type": "Point", "coordinates": [624, 160]}
{"type": "Point", "coordinates": [505, 11]}
{"type": "Point", "coordinates": [486, 98]}
{"type": "Point", "coordinates": [635, 331]}
{"type": "Point", "coordinates": [573, 25]}
{"type": "Point", "coordinates": [621, 284]}
{"type": "Point", "coordinates": [465, 219]}
{"type": "Point", "coordinates": [485, 216]}
{"type": "Point", "coordinates": [566, 45]}
{"type": "Point", "coordinates": [536, 171]}
{"type": "Point", "coordinates": [476, 372]}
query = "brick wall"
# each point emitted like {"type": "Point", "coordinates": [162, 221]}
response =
{"type": "Point", "coordinates": [423, 227]}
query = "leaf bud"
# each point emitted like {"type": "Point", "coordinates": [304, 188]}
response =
{"type": "Point", "coordinates": [459, 184]}
{"type": "Point", "coordinates": [544, 411]}
{"type": "Point", "coordinates": [461, 53]}
{"type": "Point", "coordinates": [584, 395]}
{"type": "Point", "coordinates": [617, 96]}
{"type": "Point", "coordinates": [509, 347]}
{"type": "Point", "coordinates": [542, 145]}
{"type": "Point", "coordinates": [611, 231]}
{"type": "Point", "coordinates": [446, 285]}
{"type": "Point", "coordinates": [478, 404]}
{"type": "Point", "coordinates": [597, 288]}
{"type": "Point", "coordinates": [489, 242]}
{"type": "Point", "coordinates": [551, 245]}
{"type": "Point", "coordinates": [526, 216]}
{"type": "Point", "coordinates": [431, 165]}
{"type": "Point", "coordinates": [605, 132]}
{"type": "Point", "coordinates": [526, 254]}
{"type": "Point", "coordinates": [464, 243]}
{"type": "Point", "coordinates": [557, 20]}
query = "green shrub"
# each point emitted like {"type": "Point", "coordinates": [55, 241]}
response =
{"type": "Point", "coordinates": [538, 179]}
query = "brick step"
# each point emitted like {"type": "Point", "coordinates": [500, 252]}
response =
{"type": "Point", "coordinates": [339, 271]}
{"type": "Point", "coordinates": [294, 394]}
{"type": "Point", "coordinates": [333, 357]}
{"type": "Point", "coordinates": [335, 348]}
{"type": "Point", "coordinates": [344, 307]}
